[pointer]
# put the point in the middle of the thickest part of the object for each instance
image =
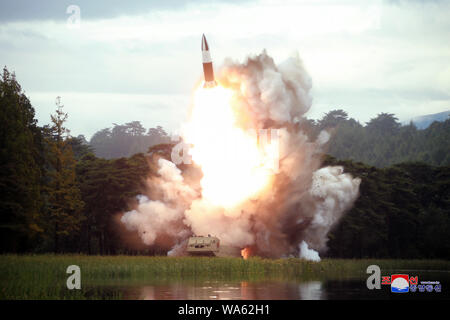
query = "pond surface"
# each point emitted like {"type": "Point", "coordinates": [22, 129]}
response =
{"type": "Point", "coordinates": [207, 289]}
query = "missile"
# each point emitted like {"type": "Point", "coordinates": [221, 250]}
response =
{"type": "Point", "coordinates": [207, 65]}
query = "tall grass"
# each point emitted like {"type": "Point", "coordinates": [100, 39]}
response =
{"type": "Point", "coordinates": [44, 276]}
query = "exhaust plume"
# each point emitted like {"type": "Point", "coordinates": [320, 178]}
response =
{"type": "Point", "coordinates": [281, 212]}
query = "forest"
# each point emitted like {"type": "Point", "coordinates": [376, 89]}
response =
{"type": "Point", "coordinates": [62, 194]}
{"type": "Point", "coordinates": [383, 141]}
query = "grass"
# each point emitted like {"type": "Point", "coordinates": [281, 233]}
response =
{"type": "Point", "coordinates": [44, 276]}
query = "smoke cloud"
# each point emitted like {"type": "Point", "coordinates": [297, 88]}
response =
{"type": "Point", "coordinates": [304, 201]}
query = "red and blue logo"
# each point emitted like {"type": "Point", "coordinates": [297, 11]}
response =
{"type": "Point", "coordinates": [399, 283]}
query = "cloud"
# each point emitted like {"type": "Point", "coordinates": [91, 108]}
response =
{"type": "Point", "coordinates": [366, 57]}
{"type": "Point", "coordinates": [26, 10]}
{"type": "Point", "coordinates": [89, 112]}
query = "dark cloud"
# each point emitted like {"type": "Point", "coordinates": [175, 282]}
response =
{"type": "Point", "coordinates": [25, 10]}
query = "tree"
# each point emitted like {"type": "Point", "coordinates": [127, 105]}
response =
{"type": "Point", "coordinates": [385, 123]}
{"type": "Point", "coordinates": [126, 140]}
{"type": "Point", "coordinates": [107, 187]}
{"type": "Point", "coordinates": [401, 212]}
{"type": "Point", "coordinates": [20, 166]}
{"type": "Point", "coordinates": [135, 128]}
{"type": "Point", "coordinates": [383, 141]}
{"type": "Point", "coordinates": [101, 143]}
{"type": "Point", "coordinates": [64, 204]}
{"type": "Point", "coordinates": [80, 146]}
{"type": "Point", "coordinates": [332, 119]}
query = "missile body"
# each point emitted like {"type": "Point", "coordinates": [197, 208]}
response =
{"type": "Point", "coordinates": [207, 65]}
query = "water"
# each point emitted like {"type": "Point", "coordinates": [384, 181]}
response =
{"type": "Point", "coordinates": [336, 289]}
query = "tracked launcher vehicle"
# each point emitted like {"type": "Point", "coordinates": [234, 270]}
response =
{"type": "Point", "coordinates": [210, 246]}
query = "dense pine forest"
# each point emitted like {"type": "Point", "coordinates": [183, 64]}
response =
{"type": "Point", "coordinates": [382, 141]}
{"type": "Point", "coordinates": [63, 194]}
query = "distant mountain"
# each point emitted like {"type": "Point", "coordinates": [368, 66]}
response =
{"type": "Point", "coordinates": [422, 122]}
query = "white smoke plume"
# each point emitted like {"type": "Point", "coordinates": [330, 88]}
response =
{"type": "Point", "coordinates": [307, 253]}
{"type": "Point", "coordinates": [153, 218]}
{"type": "Point", "coordinates": [304, 202]}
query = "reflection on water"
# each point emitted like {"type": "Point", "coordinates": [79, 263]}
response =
{"type": "Point", "coordinates": [218, 290]}
{"type": "Point", "coordinates": [182, 289]}
{"type": "Point", "coordinates": [311, 290]}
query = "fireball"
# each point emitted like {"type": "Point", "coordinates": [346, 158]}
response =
{"type": "Point", "coordinates": [231, 159]}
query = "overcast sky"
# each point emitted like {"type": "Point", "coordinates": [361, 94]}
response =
{"type": "Point", "coordinates": [139, 60]}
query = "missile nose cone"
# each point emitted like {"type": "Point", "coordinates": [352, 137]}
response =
{"type": "Point", "coordinates": [204, 43]}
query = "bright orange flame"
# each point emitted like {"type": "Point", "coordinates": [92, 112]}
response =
{"type": "Point", "coordinates": [245, 253]}
{"type": "Point", "coordinates": [232, 162]}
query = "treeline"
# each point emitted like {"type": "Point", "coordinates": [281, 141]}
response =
{"type": "Point", "coordinates": [403, 211]}
{"type": "Point", "coordinates": [58, 196]}
{"type": "Point", "coordinates": [126, 140]}
{"type": "Point", "coordinates": [383, 141]}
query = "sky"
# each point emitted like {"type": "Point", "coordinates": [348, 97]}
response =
{"type": "Point", "coordinates": [115, 61]}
